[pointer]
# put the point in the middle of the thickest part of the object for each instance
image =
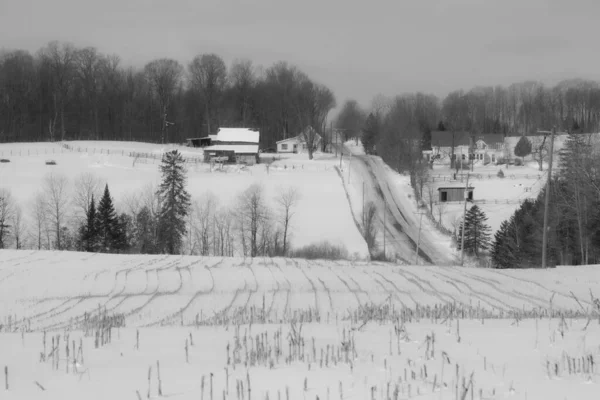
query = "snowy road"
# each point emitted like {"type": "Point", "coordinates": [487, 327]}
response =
{"type": "Point", "coordinates": [397, 208]}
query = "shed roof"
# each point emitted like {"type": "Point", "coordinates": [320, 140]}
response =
{"type": "Point", "coordinates": [237, 149]}
{"type": "Point", "coordinates": [237, 135]}
{"type": "Point", "coordinates": [456, 187]}
{"type": "Point", "coordinates": [295, 138]}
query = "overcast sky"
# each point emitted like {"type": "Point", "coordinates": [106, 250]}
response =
{"type": "Point", "coordinates": [357, 48]}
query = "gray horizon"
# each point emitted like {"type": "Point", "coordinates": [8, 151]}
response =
{"type": "Point", "coordinates": [358, 49]}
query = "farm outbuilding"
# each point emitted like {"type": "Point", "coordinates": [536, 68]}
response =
{"type": "Point", "coordinates": [201, 142]}
{"type": "Point", "coordinates": [238, 145]}
{"type": "Point", "coordinates": [455, 193]}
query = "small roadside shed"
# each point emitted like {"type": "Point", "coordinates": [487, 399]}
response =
{"type": "Point", "coordinates": [446, 194]}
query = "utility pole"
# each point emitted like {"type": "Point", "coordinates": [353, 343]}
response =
{"type": "Point", "coordinates": [162, 139]}
{"type": "Point", "coordinates": [333, 139]}
{"type": "Point", "coordinates": [418, 239]}
{"type": "Point", "coordinates": [462, 239]}
{"type": "Point", "coordinates": [384, 253]}
{"type": "Point", "coordinates": [547, 200]}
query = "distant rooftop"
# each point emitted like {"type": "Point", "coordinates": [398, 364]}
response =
{"type": "Point", "coordinates": [245, 135]}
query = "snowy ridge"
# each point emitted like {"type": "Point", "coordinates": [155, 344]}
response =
{"type": "Point", "coordinates": [47, 289]}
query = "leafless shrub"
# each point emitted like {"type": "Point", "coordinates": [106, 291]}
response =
{"type": "Point", "coordinates": [322, 250]}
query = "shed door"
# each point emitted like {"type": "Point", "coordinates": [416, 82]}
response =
{"type": "Point", "coordinates": [443, 196]}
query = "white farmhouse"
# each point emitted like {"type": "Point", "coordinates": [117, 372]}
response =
{"type": "Point", "coordinates": [296, 144]}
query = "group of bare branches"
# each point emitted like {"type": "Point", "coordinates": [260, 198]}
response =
{"type": "Point", "coordinates": [50, 219]}
{"type": "Point", "coordinates": [251, 226]}
{"type": "Point", "coordinates": [80, 93]}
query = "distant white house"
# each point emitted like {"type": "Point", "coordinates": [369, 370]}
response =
{"type": "Point", "coordinates": [296, 144]}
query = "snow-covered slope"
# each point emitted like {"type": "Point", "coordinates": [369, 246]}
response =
{"type": "Point", "coordinates": [322, 212]}
{"type": "Point", "coordinates": [48, 289]}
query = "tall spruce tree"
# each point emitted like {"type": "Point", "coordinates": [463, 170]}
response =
{"type": "Point", "coordinates": [89, 230]}
{"type": "Point", "coordinates": [107, 223]}
{"type": "Point", "coordinates": [175, 203]}
{"type": "Point", "coordinates": [477, 232]}
{"type": "Point", "coordinates": [504, 248]}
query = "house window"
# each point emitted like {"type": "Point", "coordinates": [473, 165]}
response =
{"type": "Point", "coordinates": [284, 146]}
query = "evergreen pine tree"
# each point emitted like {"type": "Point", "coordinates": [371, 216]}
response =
{"type": "Point", "coordinates": [370, 133]}
{"type": "Point", "coordinates": [89, 231]}
{"type": "Point", "coordinates": [503, 248]}
{"type": "Point", "coordinates": [477, 232]}
{"type": "Point", "coordinates": [107, 223]}
{"type": "Point", "coordinates": [175, 203]}
{"type": "Point", "coordinates": [523, 147]}
{"type": "Point", "coordinates": [121, 235]}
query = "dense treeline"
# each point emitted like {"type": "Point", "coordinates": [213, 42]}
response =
{"type": "Point", "coordinates": [63, 93]}
{"type": "Point", "coordinates": [399, 128]}
{"type": "Point", "coordinates": [574, 223]}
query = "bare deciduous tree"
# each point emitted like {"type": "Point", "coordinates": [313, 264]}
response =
{"type": "Point", "coordinates": [209, 76]}
{"type": "Point", "coordinates": [7, 211]}
{"type": "Point", "coordinates": [86, 186]}
{"type": "Point", "coordinates": [61, 61]}
{"type": "Point", "coordinates": [242, 77]}
{"type": "Point", "coordinates": [40, 217]}
{"type": "Point", "coordinates": [204, 211]}
{"type": "Point", "coordinates": [56, 197]}
{"type": "Point", "coordinates": [164, 76]}
{"type": "Point", "coordinates": [287, 200]}
{"type": "Point", "coordinates": [252, 213]}
{"type": "Point", "coordinates": [223, 240]}
{"type": "Point", "coordinates": [540, 146]}
{"type": "Point", "coordinates": [18, 227]}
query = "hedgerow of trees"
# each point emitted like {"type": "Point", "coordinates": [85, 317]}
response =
{"type": "Point", "coordinates": [574, 222]}
{"type": "Point", "coordinates": [65, 93]}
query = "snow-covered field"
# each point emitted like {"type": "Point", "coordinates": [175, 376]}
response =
{"type": "Point", "coordinates": [498, 197]}
{"type": "Point", "coordinates": [369, 329]}
{"type": "Point", "coordinates": [322, 211]}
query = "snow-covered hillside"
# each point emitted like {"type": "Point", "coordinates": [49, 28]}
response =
{"type": "Point", "coordinates": [48, 289]}
{"type": "Point", "coordinates": [322, 212]}
{"type": "Point", "coordinates": [318, 329]}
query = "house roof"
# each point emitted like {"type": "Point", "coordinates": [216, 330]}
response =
{"type": "Point", "coordinates": [490, 138]}
{"type": "Point", "coordinates": [455, 187]}
{"type": "Point", "coordinates": [300, 138]}
{"type": "Point", "coordinates": [295, 138]}
{"type": "Point", "coordinates": [237, 135]}
{"type": "Point", "coordinates": [236, 148]}
{"type": "Point", "coordinates": [444, 138]}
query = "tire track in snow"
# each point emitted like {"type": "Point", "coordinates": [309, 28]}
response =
{"type": "Point", "coordinates": [277, 291]}
{"type": "Point", "coordinates": [310, 281]}
{"type": "Point", "coordinates": [453, 284]}
{"type": "Point", "coordinates": [567, 296]}
{"type": "Point", "coordinates": [418, 282]}
{"type": "Point", "coordinates": [199, 293]}
{"type": "Point", "coordinates": [288, 290]}
{"type": "Point", "coordinates": [394, 293]}
{"type": "Point", "coordinates": [480, 295]}
{"type": "Point", "coordinates": [348, 287]}
{"type": "Point", "coordinates": [538, 301]}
